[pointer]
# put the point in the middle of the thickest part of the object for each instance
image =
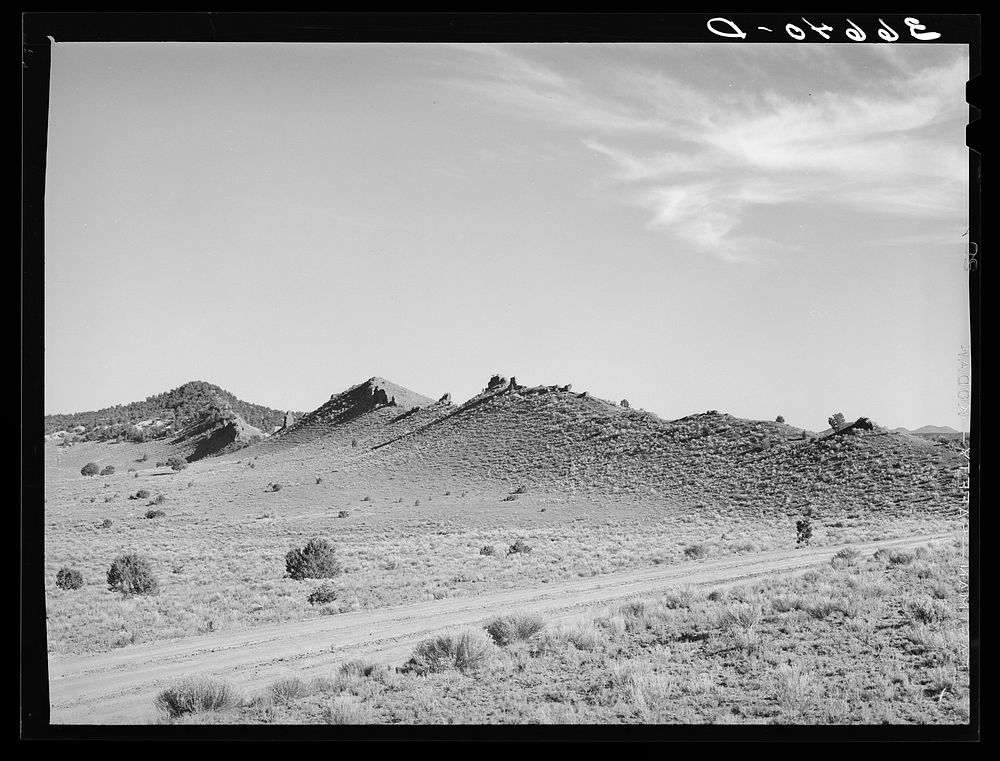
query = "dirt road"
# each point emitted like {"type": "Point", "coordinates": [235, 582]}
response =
{"type": "Point", "coordinates": [119, 687]}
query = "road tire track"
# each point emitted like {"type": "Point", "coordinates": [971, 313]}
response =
{"type": "Point", "coordinates": [119, 687]}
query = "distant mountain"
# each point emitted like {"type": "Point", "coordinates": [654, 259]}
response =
{"type": "Point", "coordinates": [929, 430]}
{"type": "Point", "coordinates": [165, 415]}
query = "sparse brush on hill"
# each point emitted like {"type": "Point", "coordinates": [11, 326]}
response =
{"type": "Point", "coordinates": [69, 578]}
{"type": "Point", "coordinates": [173, 409]}
{"type": "Point", "coordinates": [317, 560]}
{"type": "Point", "coordinates": [132, 574]}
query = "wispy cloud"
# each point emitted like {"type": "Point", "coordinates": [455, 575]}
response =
{"type": "Point", "coordinates": [701, 157]}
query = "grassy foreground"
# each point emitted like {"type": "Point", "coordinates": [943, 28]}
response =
{"type": "Point", "coordinates": [880, 639]}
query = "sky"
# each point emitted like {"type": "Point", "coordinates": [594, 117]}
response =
{"type": "Point", "coordinates": [758, 229]}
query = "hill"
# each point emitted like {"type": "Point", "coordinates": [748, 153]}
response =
{"type": "Point", "coordinates": [929, 430]}
{"type": "Point", "coordinates": [552, 440]}
{"type": "Point", "coordinates": [366, 414]}
{"type": "Point", "coordinates": [164, 415]}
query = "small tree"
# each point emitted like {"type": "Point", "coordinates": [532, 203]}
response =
{"type": "Point", "coordinates": [625, 403]}
{"type": "Point", "coordinates": [837, 421]}
{"type": "Point", "coordinates": [803, 530]}
{"type": "Point", "coordinates": [109, 470]}
{"type": "Point", "coordinates": [779, 419]}
{"type": "Point", "coordinates": [176, 463]}
{"type": "Point", "coordinates": [132, 574]}
{"type": "Point", "coordinates": [90, 469]}
{"type": "Point", "coordinates": [69, 578]}
{"type": "Point", "coordinates": [317, 560]}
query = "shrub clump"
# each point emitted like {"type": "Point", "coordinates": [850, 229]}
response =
{"type": "Point", "coordinates": [519, 547]}
{"type": "Point", "coordinates": [323, 594]}
{"type": "Point", "coordinates": [141, 494]}
{"type": "Point", "coordinates": [695, 551]}
{"type": "Point", "coordinates": [155, 513]}
{"type": "Point", "coordinates": [69, 578]}
{"type": "Point", "coordinates": [803, 530]}
{"type": "Point", "coordinates": [514, 627]}
{"type": "Point", "coordinates": [132, 574]}
{"type": "Point", "coordinates": [176, 463]}
{"type": "Point", "coordinates": [467, 650]}
{"type": "Point", "coordinates": [343, 514]}
{"type": "Point", "coordinates": [106, 523]}
{"type": "Point", "coordinates": [488, 549]}
{"type": "Point", "coordinates": [109, 470]}
{"type": "Point", "coordinates": [317, 560]}
{"type": "Point", "coordinates": [90, 469]}
{"type": "Point", "coordinates": [194, 696]}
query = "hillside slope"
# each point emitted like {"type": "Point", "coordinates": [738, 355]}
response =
{"type": "Point", "coordinates": [368, 413]}
{"type": "Point", "coordinates": [552, 439]}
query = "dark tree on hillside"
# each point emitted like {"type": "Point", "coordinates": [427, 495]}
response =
{"type": "Point", "coordinates": [779, 419]}
{"type": "Point", "coordinates": [837, 421]}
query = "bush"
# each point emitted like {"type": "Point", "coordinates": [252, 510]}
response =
{"type": "Point", "coordinates": [90, 469]}
{"type": "Point", "coordinates": [837, 421]}
{"type": "Point", "coordinates": [132, 574]}
{"type": "Point", "coordinates": [343, 514]}
{"type": "Point", "coordinates": [274, 487]}
{"type": "Point", "coordinates": [109, 470]}
{"type": "Point", "coordinates": [519, 547]}
{"type": "Point", "coordinates": [514, 627]}
{"type": "Point", "coordinates": [323, 594]}
{"type": "Point", "coordinates": [779, 419]}
{"type": "Point", "coordinates": [176, 463]}
{"type": "Point", "coordinates": [155, 513]}
{"type": "Point", "coordinates": [288, 689]}
{"type": "Point", "coordinates": [695, 551]}
{"type": "Point", "coordinates": [846, 556]}
{"type": "Point", "coordinates": [194, 696]}
{"type": "Point", "coordinates": [488, 549]}
{"type": "Point", "coordinates": [803, 530]}
{"type": "Point", "coordinates": [317, 560]}
{"type": "Point", "coordinates": [106, 523]}
{"type": "Point", "coordinates": [69, 578]}
{"type": "Point", "coordinates": [467, 650]}
{"type": "Point", "coordinates": [158, 500]}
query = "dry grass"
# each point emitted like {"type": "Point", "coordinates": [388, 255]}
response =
{"type": "Point", "coordinates": [654, 661]}
{"type": "Point", "coordinates": [226, 539]}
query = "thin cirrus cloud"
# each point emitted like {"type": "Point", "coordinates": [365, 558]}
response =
{"type": "Point", "coordinates": [702, 159]}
